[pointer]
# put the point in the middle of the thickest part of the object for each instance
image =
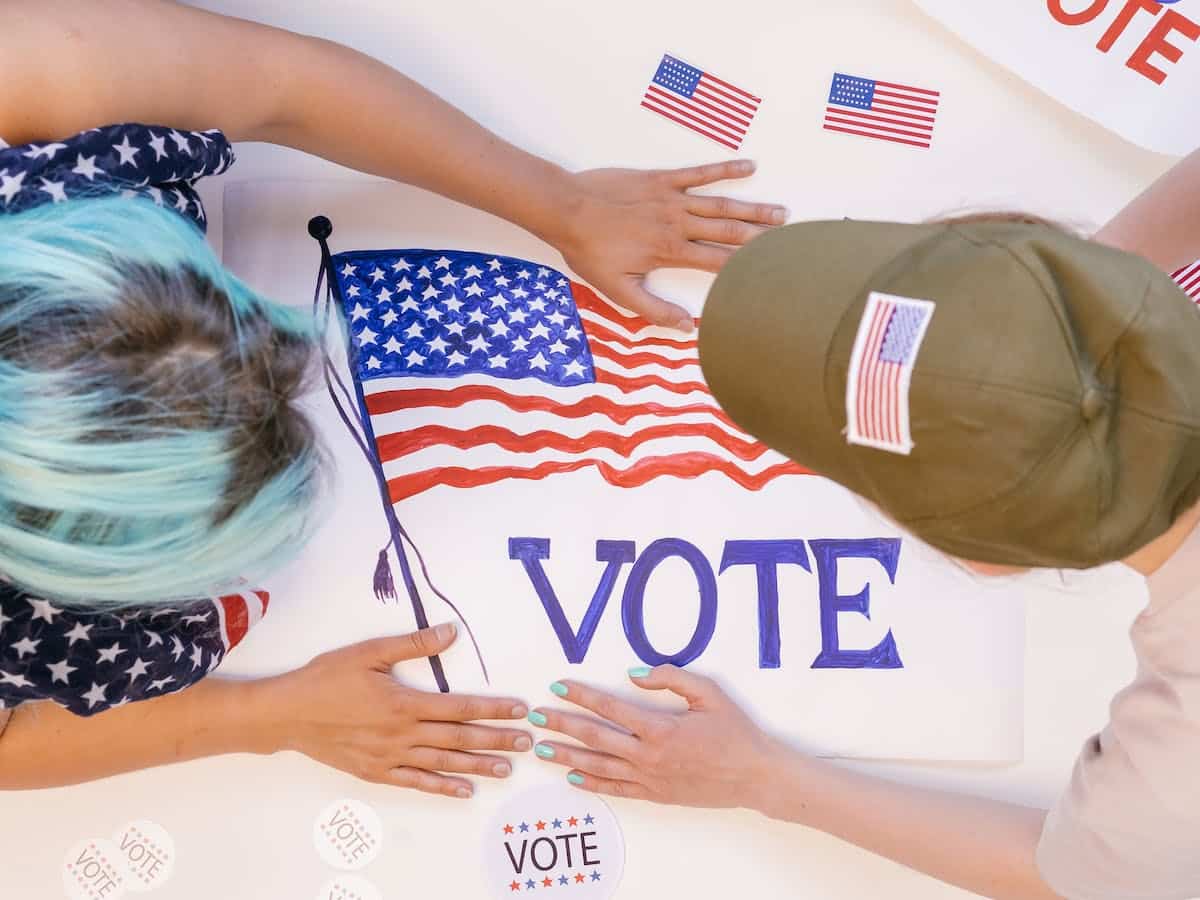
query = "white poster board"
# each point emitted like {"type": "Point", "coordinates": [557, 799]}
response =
{"type": "Point", "coordinates": [1131, 65]}
{"type": "Point", "coordinates": [946, 678]}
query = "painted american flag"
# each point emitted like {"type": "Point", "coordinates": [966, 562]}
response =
{"type": "Point", "coordinates": [1188, 278]}
{"type": "Point", "coordinates": [881, 109]}
{"type": "Point", "coordinates": [885, 350]}
{"type": "Point", "coordinates": [693, 98]}
{"type": "Point", "coordinates": [475, 369]}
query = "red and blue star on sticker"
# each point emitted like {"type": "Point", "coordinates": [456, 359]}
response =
{"type": "Point", "coordinates": [555, 824]}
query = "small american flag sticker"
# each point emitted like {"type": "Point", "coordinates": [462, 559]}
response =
{"type": "Point", "coordinates": [881, 366]}
{"type": "Point", "coordinates": [698, 100]}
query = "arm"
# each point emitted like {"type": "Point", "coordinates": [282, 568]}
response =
{"type": "Point", "coordinates": [1163, 222]}
{"type": "Point", "coordinates": [198, 70]}
{"type": "Point", "coordinates": [344, 709]}
{"type": "Point", "coordinates": [713, 755]}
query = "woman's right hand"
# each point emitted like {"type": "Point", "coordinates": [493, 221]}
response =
{"type": "Point", "coordinates": [346, 710]}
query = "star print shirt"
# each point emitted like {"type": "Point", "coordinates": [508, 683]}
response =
{"type": "Point", "coordinates": [86, 661]}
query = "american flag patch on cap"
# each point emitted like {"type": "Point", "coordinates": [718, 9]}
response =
{"type": "Point", "coordinates": [885, 351]}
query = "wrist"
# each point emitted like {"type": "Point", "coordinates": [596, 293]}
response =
{"type": "Point", "coordinates": [261, 705]}
{"type": "Point", "coordinates": [778, 776]}
{"type": "Point", "coordinates": [552, 206]}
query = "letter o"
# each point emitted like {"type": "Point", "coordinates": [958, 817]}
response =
{"type": "Point", "coordinates": [1079, 18]}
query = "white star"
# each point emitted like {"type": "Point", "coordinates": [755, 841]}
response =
{"type": "Point", "coordinates": [455, 328]}
{"type": "Point", "coordinates": [161, 683]}
{"type": "Point", "coordinates": [454, 304]}
{"type": "Point", "coordinates": [573, 333]}
{"type": "Point", "coordinates": [47, 150]}
{"type": "Point", "coordinates": [95, 695]}
{"type": "Point", "coordinates": [404, 285]}
{"type": "Point", "coordinates": [176, 647]}
{"type": "Point", "coordinates": [574, 367]}
{"type": "Point", "coordinates": [61, 671]}
{"type": "Point", "coordinates": [384, 294]}
{"type": "Point", "coordinates": [498, 362]}
{"type": "Point", "coordinates": [79, 632]}
{"type": "Point", "coordinates": [10, 185]}
{"type": "Point", "coordinates": [55, 189]}
{"type": "Point", "coordinates": [378, 275]}
{"type": "Point", "coordinates": [522, 274]}
{"type": "Point", "coordinates": [520, 344]}
{"type": "Point", "coordinates": [538, 305]}
{"type": "Point", "coordinates": [110, 654]}
{"type": "Point", "coordinates": [552, 294]}
{"type": "Point", "coordinates": [477, 343]}
{"type": "Point", "coordinates": [159, 146]}
{"type": "Point", "coordinates": [437, 345]}
{"type": "Point", "coordinates": [401, 265]}
{"type": "Point", "coordinates": [493, 264]}
{"type": "Point", "coordinates": [366, 336]}
{"type": "Point", "coordinates": [181, 201]}
{"type": "Point", "coordinates": [500, 300]}
{"type": "Point", "coordinates": [473, 290]}
{"type": "Point", "coordinates": [352, 291]}
{"type": "Point", "coordinates": [86, 166]}
{"type": "Point", "coordinates": [518, 315]}
{"type": "Point", "coordinates": [539, 362]}
{"type": "Point", "coordinates": [393, 345]}
{"type": "Point", "coordinates": [156, 194]}
{"type": "Point", "coordinates": [389, 317]}
{"type": "Point", "coordinates": [25, 645]}
{"type": "Point", "coordinates": [409, 303]}
{"type": "Point", "coordinates": [424, 272]}
{"type": "Point", "coordinates": [196, 619]}
{"type": "Point", "coordinates": [455, 359]}
{"type": "Point", "coordinates": [153, 639]}
{"type": "Point", "coordinates": [4, 618]}
{"type": "Point", "coordinates": [558, 347]}
{"type": "Point", "coordinates": [500, 328]}
{"type": "Point", "coordinates": [433, 314]}
{"type": "Point", "coordinates": [359, 312]}
{"type": "Point", "coordinates": [414, 331]}
{"type": "Point", "coordinates": [442, 263]}
{"type": "Point", "coordinates": [472, 271]}
{"type": "Point", "coordinates": [15, 680]}
{"type": "Point", "coordinates": [520, 293]}
{"type": "Point", "coordinates": [414, 358]}
{"type": "Point", "coordinates": [562, 282]}
{"type": "Point", "coordinates": [181, 142]}
{"type": "Point", "coordinates": [543, 272]}
{"type": "Point", "coordinates": [373, 363]}
{"type": "Point", "coordinates": [429, 293]}
{"type": "Point", "coordinates": [557, 318]}
{"type": "Point", "coordinates": [348, 270]}
{"type": "Point", "coordinates": [501, 280]}
{"type": "Point", "coordinates": [448, 279]}
{"type": "Point", "coordinates": [138, 669]}
{"type": "Point", "coordinates": [539, 330]}
{"type": "Point", "coordinates": [42, 609]}
{"type": "Point", "coordinates": [477, 315]}
{"type": "Point", "coordinates": [197, 656]}
{"type": "Point", "coordinates": [541, 288]}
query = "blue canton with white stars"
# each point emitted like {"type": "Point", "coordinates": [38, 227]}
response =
{"type": "Point", "coordinates": [159, 164]}
{"type": "Point", "coordinates": [902, 332]}
{"type": "Point", "coordinates": [848, 90]}
{"type": "Point", "coordinates": [448, 313]}
{"type": "Point", "coordinates": [677, 76]}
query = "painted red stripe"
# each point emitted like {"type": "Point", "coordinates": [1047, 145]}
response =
{"type": "Point", "coordinates": [393, 401]}
{"type": "Point", "coordinates": [909, 122]}
{"type": "Point", "coordinates": [850, 121]}
{"type": "Point", "coordinates": [627, 384]}
{"type": "Point", "coordinates": [710, 101]}
{"type": "Point", "coordinates": [683, 465]}
{"type": "Point", "coordinates": [237, 619]}
{"type": "Point", "coordinates": [397, 445]}
{"type": "Point", "coordinates": [684, 108]}
{"type": "Point", "coordinates": [640, 359]}
{"type": "Point", "coordinates": [685, 124]}
{"type": "Point", "coordinates": [596, 330]}
{"type": "Point", "coordinates": [882, 137]}
{"type": "Point", "coordinates": [905, 87]}
{"type": "Point", "coordinates": [586, 298]}
{"type": "Point", "coordinates": [732, 87]}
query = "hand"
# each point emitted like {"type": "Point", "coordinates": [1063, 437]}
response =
{"type": "Point", "coordinates": [627, 222]}
{"type": "Point", "coordinates": [710, 755]}
{"type": "Point", "coordinates": [346, 710]}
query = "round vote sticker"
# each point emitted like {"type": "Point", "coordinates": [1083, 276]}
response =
{"type": "Point", "coordinates": [349, 887]}
{"type": "Point", "coordinates": [92, 870]}
{"type": "Point", "coordinates": [555, 841]}
{"type": "Point", "coordinates": [348, 834]}
{"type": "Point", "coordinates": [148, 854]}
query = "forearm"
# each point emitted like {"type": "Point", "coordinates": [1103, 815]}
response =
{"type": "Point", "coordinates": [1163, 222]}
{"type": "Point", "coordinates": [984, 846]}
{"type": "Point", "coordinates": [46, 746]}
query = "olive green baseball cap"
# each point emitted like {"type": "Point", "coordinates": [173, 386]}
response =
{"type": "Point", "coordinates": [1043, 390]}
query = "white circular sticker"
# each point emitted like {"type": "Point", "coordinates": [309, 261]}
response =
{"type": "Point", "coordinates": [148, 854]}
{"type": "Point", "coordinates": [556, 841]}
{"type": "Point", "coordinates": [348, 834]}
{"type": "Point", "coordinates": [349, 887]}
{"type": "Point", "coordinates": [92, 870]}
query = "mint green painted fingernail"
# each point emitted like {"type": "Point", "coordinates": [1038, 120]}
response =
{"type": "Point", "coordinates": [575, 778]}
{"type": "Point", "coordinates": [545, 751]}
{"type": "Point", "coordinates": [558, 688]}
{"type": "Point", "coordinates": [639, 672]}
{"type": "Point", "coordinates": [537, 719]}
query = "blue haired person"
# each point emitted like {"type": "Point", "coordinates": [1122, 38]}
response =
{"type": "Point", "coordinates": [152, 452]}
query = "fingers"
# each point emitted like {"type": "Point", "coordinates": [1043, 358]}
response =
{"type": "Point", "coordinates": [439, 760]}
{"type": "Point", "coordinates": [695, 689]}
{"type": "Point", "coordinates": [382, 653]}
{"type": "Point", "coordinates": [600, 765]}
{"type": "Point", "coordinates": [697, 176]}
{"type": "Point", "coordinates": [728, 208]}
{"type": "Point", "coordinates": [587, 730]}
{"type": "Point", "coordinates": [705, 257]}
{"type": "Point", "coordinates": [722, 231]}
{"type": "Point", "coordinates": [612, 787]}
{"type": "Point", "coordinates": [467, 708]}
{"type": "Point", "coordinates": [633, 296]}
{"type": "Point", "coordinates": [428, 782]}
{"type": "Point", "coordinates": [606, 706]}
{"type": "Point", "coordinates": [460, 736]}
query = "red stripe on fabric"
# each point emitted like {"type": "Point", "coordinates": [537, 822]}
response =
{"type": "Point", "coordinates": [882, 137]}
{"type": "Point", "coordinates": [237, 619]}
{"type": "Point", "coordinates": [859, 114]}
{"type": "Point", "coordinates": [878, 398]}
{"type": "Point", "coordinates": [397, 445]}
{"type": "Point", "coordinates": [884, 128]}
{"type": "Point", "coordinates": [864, 367]}
{"type": "Point", "coordinates": [678, 121]}
{"type": "Point", "coordinates": [1190, 283]}
{"type": "Point", "coordinates": [905, 87]}
{"type": "Point", "coordinates": [640, 359]}
{"type": "Point", "coordinates": [732, 87]}
{"type": "Point", "coordinates": [627, 384]}
{"type": "Point", "coordinates": [698, 116]}
{"type": "Point", "coordinates": [894, 401]}
{"type": "Point", "coordinates": [393, 401]}
{"type": "Point", "coordinates": [683, 465]}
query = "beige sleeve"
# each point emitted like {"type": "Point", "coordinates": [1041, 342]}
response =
{"type": "Point", "coordinates": [1128, 825]}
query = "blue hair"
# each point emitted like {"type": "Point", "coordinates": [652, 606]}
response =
{"type": "Point", "coordinates": [151, 448]}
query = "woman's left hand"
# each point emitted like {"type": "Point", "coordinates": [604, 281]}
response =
{"type": "Point", "coordinates": [711, 754]}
